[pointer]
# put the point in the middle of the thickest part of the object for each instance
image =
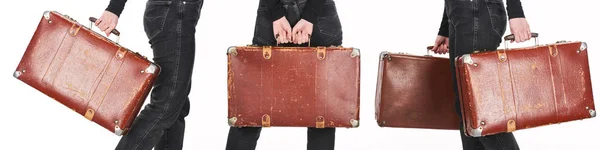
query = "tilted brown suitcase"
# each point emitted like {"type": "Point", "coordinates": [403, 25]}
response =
{"type": "Point", "coordinates": [293, 86]}
{"type": "Point", "coordinates": [88, 73]}
{"type": "Point", "coordinates": [415, 91]}
{"type": "Point", "coordinates": [513, 89]}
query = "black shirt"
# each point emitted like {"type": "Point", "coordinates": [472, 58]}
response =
{"type": "Point", "coordinates": [513, 8]}
{"type": "Point", "coordinates": [116, 6]}
{"type": "Point", "coordinates": [312, 9]}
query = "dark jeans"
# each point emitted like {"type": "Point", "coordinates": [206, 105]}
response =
{"type": "Point", "coordinates": [170, 26]}
{"type": "Point", "coordinates": [327, 31]}
{"type": "Point", "coordinates": [477, 25]}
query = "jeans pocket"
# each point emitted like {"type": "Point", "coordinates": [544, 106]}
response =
{"type": "Point", "coordinates": [155, 16]}
{"type": "Point", "coordinates": [498, 18]}
{"type": "Point", "coordinates": [193, 7]}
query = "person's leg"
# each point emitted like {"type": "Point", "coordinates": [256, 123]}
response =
{"type": "Point", "coordinates": [170, 26]}
{"type": "Point", "coordinates": [320, 139]}
{"type": "Point", "coordinates": [460, 36]}
{"type": "Point", "coordinates": [477, 25]}
{"type": "Point", "coordinates": [172, 138]}
{"type": "Point", "coordinates": [242, 138]}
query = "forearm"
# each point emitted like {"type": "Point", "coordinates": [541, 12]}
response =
{"type": "Point", "coordinates": [514, 9]}
{"type": "Point", "coordinates": [444, 25]}
{"type": "Point", "coordinates": [116, 6]}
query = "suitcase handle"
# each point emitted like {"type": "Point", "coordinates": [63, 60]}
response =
{"type": "Point", "coordinates": [511, 37]}
{"type": "Point", "coordinates": [114, 31]}
{"type": "Point", "coordinates": [429, 48]}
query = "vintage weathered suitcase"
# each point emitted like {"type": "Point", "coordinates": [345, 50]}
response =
{"type": "Point", "coordinates": [88, 73]}
{"type": "Point", "coordinates": [415, 91]}
{"type": "Point", "coordinates": [513, 89]}
{"type": "Point", "coordinates": [293, 86]}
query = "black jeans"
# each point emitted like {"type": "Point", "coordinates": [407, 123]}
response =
{"type": "Point", "coordinates": [327, 31]}
{"type": "Point", "coordinates": [477, 25]}
{"type": "Point", "coordinates": [170, 27]}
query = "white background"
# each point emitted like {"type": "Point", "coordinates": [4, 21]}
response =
{"type": "Point", "coordinates": [30, 120]}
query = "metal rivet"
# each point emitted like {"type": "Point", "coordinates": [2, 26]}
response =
{"type": "Point", "coordinates": [142, 71]}
{"type": "Point", "coordinates": [49, 21]}
{"type": "Point", "coordinates": [475, 65]}
{"type": "Point", "coordinates": [23, 71]}
{"type": "Point", "coordinates": [116, 121]}
{"type": "Point", "coordinates": [578, 52]}
{"type": "Point", "coordinates": [587, 107]}
{"type": "Point", "coordinates": [482, 123]}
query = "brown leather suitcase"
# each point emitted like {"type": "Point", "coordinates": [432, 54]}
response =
{"type": "Point", "coordinates": [415, 91]}
{"type": "Point", "coordinates": [85, 71]}
{"type": "Point", "coordinates": [519, 88]}
{"type": "Point", "coordinates": [293, 86]}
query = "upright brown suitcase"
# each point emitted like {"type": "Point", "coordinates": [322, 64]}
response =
{"type": "Point", "coordinates": [415, 91]}
{"type": "Point", "coordinates": [293, 86]}
{"type": "Point", "coordinates": [85, 71]}
{"type": "Point", "coordinates": [513, 89]}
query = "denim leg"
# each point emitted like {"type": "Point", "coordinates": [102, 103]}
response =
{"type": "Point", "coordinates": [320, 139]}
{"type": "Point", "coordinates": [170, 27]}
{"type": "Point", "coordinates": [477, 25]}
{"type": "Point", "coordinates": [242, 138]}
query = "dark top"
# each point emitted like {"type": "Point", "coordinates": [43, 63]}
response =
{"type": "Point", "coordinates": [513, 8]}
{"type": "Point", "coordinates": [312, 9]}
{"type": "Point", "coordinates": [116, 6]}
{"type": "Point", "coordinates": [276, 10]}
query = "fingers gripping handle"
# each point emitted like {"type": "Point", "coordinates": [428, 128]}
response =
{"type": "Point", "coordinates": [277, 39]}
{"type": "Point", "coordinates": [511, 37]}
{"type": "Point", "coordinates": [114, 31]}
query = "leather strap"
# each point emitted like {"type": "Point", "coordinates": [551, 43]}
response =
{"type": "Point", "coordinates": [109, 73]}
{"type": "Point", "coordinates": [507, 91]}
{"type": "Point", "coordinates": [558, 86]}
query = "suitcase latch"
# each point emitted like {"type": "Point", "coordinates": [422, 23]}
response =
{"type": "Point", "coordinates": [320, 122]}
{"type": "Point", "coordinates": [266, 121]}
{"type": "Point", "coordinates": [502, 55]}
{"type": "Point", "coordinates": [74, 29]}
{"type": "Point", "coordinates": [321, 52]}
{"type": "Point", "coordinates": [267, 52]}
{"type": "Point", "coordinates": [89, 114]}
{"type": "Point", "coordinates": [511, 126]}
{"type": "Point", "coordinates": [553, 51]}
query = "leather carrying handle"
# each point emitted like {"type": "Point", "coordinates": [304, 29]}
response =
{"type": "Point", "coordinates": [114, 31]}
{"type": "Point", "coordinates": [511, 37]}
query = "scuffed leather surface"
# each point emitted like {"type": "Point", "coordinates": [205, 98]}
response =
{"type": "Point", "coordinates": [84, 72]}
{"type": "Point", "coordinates": [415, 92]}
{"type": "Point", "coordinates": [293, 87]}
{"type": "Point", "coordinates": [531, 87]}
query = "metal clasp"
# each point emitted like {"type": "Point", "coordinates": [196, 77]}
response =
{"type": "Point", "coordinates": [321, 52]}
{"type": "Point", "coordinates": [267, 52]}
